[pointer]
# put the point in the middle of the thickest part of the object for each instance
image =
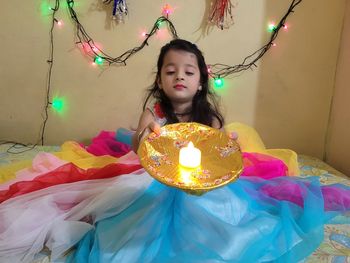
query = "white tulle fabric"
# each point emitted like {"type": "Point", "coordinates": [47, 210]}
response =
{"type": "Point", "coordinates": [57, 217]}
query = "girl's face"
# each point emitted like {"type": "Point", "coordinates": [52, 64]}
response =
{"type": "Point", "coordinates": [179, 76]}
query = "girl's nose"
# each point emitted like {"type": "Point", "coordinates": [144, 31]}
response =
{"type": "Point", "coordinates": [179, 78]}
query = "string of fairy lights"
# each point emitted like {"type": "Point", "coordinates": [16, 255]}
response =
{"type": "Point", "coordinates": [218, 71]}
{"type": "Point", "coordinates": [97, 56]}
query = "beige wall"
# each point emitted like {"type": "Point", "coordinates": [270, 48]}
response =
{"type": "Point", "coordinates": [286, 98]}
{"type": "Point", "coordinates": [338, 143]}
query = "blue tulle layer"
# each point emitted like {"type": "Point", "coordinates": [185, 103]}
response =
{"type": "Point", "coordinates": [241, 222]}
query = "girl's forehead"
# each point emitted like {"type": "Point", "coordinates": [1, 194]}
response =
{"type": "Point", "coordinates": [180, 56]}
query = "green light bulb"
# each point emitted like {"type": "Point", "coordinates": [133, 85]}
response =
{"type": "Point", "coordinates": [218, 82]}
{"type": "Point", "coordinates": [45, 8]}
{"type": "Point", "coordinates": [271, 27]}
{"type": "Point", "coordinates": [99, 60]}
{"type": "Point", "coordinates": [58, 104]}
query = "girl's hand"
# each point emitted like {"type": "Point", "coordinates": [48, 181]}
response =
{"type": "Point", "coordinates": [154, 127]}
{"type": "Point", "coordinates": [151, 127]}
{"type": "Point", "coordinates": [233, 135]}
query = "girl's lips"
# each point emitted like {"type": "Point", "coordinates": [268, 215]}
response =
{"type": "Point", "coordinates": [179, 86]}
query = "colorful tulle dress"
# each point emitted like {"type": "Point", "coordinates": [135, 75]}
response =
{"type": "Point", "coordinates": [254, 219]}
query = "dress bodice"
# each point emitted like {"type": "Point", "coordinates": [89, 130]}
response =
{"type": "Point", "coordinates": [157, 112]}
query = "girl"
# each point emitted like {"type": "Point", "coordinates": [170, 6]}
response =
{"type": "Point", "coordinates": [182, 94]}
{"type": "Point", "coordinates": [181, 91]}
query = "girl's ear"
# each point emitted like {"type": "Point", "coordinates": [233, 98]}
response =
{"type": "Point", "coordinates": [159, 83]}
{"type": "Point", "coordinates": [199, 86]}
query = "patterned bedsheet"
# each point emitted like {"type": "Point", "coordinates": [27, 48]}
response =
{"type": "Point", "coordinates": [336, 244]}
{"type": "Point", "coordinates": [9, 154]}
{"type": "Point", "coordinates": [335, 247]}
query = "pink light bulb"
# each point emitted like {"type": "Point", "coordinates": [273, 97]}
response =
{"type": "Point", "coordinates": [167, 9]}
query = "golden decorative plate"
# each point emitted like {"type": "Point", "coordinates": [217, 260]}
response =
{"type": "Point", "coordinates": [221, 158]}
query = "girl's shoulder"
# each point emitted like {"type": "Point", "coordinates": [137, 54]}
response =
{"type": "Point", "coordinates": [157, 112]}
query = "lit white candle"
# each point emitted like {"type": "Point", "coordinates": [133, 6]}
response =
{"type": "Point", "coordinates": [190, 156]}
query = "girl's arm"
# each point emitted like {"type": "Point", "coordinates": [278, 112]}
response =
{"type": "Point", "coordinates": [146, 125]}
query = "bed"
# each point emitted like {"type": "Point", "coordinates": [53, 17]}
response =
{"type": "Point", "coordinates": [336, 244]}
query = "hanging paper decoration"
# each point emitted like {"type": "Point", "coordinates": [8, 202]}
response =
{"type": "Point", "coordinates": [120, 9]}
{"type": "Point", "coordinates": [221, 13]}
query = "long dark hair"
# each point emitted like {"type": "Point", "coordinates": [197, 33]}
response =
{"type": "Point", "coordinates": [204, 103]}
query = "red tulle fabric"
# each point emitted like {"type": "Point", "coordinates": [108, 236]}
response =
{"type": "Point", "coordinates": [67, 173]}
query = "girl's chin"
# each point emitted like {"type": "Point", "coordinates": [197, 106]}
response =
{"type": "Point", "coordinates": [181, 95]}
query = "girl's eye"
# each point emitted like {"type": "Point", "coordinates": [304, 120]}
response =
{"type": "Point", "coordinates": [189, 73]}
{"type": "Point", "coordinates": [170, 72]}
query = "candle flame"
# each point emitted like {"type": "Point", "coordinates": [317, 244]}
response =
{"type": "Point", "coordinates": [190, 145]}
